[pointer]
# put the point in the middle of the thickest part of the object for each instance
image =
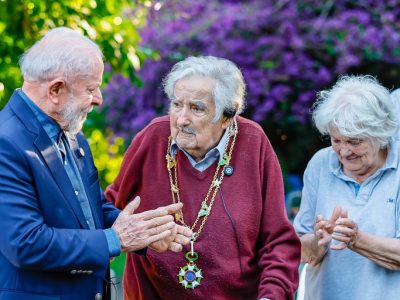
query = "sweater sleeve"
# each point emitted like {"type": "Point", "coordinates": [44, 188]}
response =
{"type": "Point", "coordinates": [279, 246]}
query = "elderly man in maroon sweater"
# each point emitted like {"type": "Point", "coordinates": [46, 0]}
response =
{"type": "Point", "coordinates": [224, 170]}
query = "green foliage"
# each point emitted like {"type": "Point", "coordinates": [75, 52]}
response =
{"type": "Point", "coordinates": [112, 24]}
{"type": "Point", "coordinates": [107, 153]}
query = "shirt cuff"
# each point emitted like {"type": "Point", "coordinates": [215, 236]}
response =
{"type": "Point", "coordinates": [114, 246]}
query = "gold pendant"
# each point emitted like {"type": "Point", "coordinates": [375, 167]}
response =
{"type": "Point", "coordinates": [179, 217]}
{"type": "Point", "coordinates": [171, 162]}
{"type": "Point", "coordinates": [204, 210]}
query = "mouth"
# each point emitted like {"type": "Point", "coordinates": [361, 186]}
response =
{"type": "Point", "coordinates": [351, 158]}
{"type": "Point", "coordinates": [185, 134]}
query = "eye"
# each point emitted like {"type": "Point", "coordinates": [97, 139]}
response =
{"type": "Point", "coordinates": [335, 141]}
{"type": "Point", "coordinates": [197, 109]}
{"type": "Point", "coordinates": [355, 142]}
{"type": "Point", "coordinates": [176, 104]}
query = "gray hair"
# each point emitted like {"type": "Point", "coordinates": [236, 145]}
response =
{"type": "Point", "coordinates": [229, 88]}
{"type": "Point", "coordinates": [357, 106]}
{"type": "Point", "coordinates": [60, 52]}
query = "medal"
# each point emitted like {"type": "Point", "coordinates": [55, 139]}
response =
{"type": "Point", "coordinates": [190, 275]}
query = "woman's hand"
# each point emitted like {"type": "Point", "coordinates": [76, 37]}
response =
{"type": "Point", "coordinates": [345, 231]}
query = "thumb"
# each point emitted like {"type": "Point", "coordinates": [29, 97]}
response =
{"type": "Point", "coordinates": [344, 214]}
{"type": "Point", "coordinates": [337, 212]}
{"type": "Point", "coordinates": [132, 206]}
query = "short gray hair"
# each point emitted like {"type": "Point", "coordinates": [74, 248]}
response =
{"type": "Point", "coordinates": [357, 106]}
{"type": "Point", "coordinates": [60, 52]}
{"type": "Point", "coordinates": [229, 89]}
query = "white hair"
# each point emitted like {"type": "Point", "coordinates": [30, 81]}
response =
{"type": "Point", "coordinates": [357, 106]}
{"type": "Point", "coordinates": [60, 52]}
{"type": "Point", "coordinates": [229, 88]}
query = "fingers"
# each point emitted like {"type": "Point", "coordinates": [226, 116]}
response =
{"type": "Point", "coordinates": [161, 228]}
{"type": "Point", "coordinates": [336, 214]}
{"type": "Point", "coordinates": [346, 232]}
{"type": "Point", "coordinates": [319, 218]}
{"type": "Point", "coordinates": [151, 214]}
{"type": "Point", "coordinates": [339, 246]}
{"type": "Point", "coordinates": [158, 221]}
{"type": "Point", "coordinates": [181, 239]}
{"type": "Point", "coordinates": [175, 247]}
{"type": "Point", "coordinates": [343, 213]}
{"type": "Point", "coordinates": [157, 237]}
{"type": "Point", "coordinates": [185, 231]}
{"type": "Point", "coordinates": [132, 206]}
{"type": "Point", "coordinates": [173, 208]}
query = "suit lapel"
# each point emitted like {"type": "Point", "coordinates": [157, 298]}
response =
{"type": "Point", "coordinates": [79, 157]}
{"type": "Point", "coordinates": [45, 146]}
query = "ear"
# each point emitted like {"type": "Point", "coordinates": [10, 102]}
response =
{"type": "Point", "coordinates": [225, 122]}
{"type": "Point", "coordinates": [228, 116]}
{"type": "Point", "coordinates": [56, 89]}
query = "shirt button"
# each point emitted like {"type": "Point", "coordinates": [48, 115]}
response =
{"type": "Point", "coordinates": [98, 296]}
{"type": "Point", "coordinates": [87, 221]}
{"type": "Point", "coordinates": [76, 193]}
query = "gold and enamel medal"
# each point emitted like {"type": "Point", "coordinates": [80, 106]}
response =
{"type": "Point", "coordinates": [190, 275]}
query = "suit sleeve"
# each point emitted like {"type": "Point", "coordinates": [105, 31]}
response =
{"type": "Point", "coordinates": [25, 239]}
{"type": "Point", "coordinates": [279, 246]}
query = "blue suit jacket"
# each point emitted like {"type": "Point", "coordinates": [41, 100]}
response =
{"type": "Point", "coordinates": [46, 248]}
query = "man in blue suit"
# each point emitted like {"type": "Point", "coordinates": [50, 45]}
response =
{"type": "Point", "coordinates": [57, 233]}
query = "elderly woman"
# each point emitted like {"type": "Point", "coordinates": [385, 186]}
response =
{"type": "Point", "coordinates": [349, 216]}
{"type": "Point", "coordinates": [224, 170]}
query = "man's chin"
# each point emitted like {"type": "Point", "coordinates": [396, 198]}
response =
{"type": "Point", "coordinates": [184, 142]}
{"type": "Point", "coordinates": [75, 129]}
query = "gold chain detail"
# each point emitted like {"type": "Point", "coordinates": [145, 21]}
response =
{"type": "Point", "coordinates": [216, 182]}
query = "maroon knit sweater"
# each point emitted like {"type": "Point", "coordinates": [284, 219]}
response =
{"type": "Point", "coordinates": [247, 249]}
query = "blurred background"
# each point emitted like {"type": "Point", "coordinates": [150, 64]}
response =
{"type": "Point", "coordinates": [287, 51]}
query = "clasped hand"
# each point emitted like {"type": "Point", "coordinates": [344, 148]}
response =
{"type": "Point", "coordinates": [339, 227]}
{"type": "Point", "coordinates": [153, 228]}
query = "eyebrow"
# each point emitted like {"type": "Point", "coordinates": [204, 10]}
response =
{"type": "Point", "coordinates": [199, 103]}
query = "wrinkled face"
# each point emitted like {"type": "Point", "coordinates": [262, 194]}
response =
{"type": "Point", "coordinates": [359, 157]}
{"type": "Point", "coordinates": [191, 113]}
{"type": "Point", "coordinates": [83, 95]}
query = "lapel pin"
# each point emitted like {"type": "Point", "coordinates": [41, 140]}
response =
{"type": "Point", "coordinates": [81, 152]}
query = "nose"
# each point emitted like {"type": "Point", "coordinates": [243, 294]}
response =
{"type": "Point", "coordinates": [183, 117]}
{"type": "Point", "coordinates": [344, 150]}
{"type": "Point", "coordinates": [97, 98]}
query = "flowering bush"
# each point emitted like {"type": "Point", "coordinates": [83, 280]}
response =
{"type": "Point", "coordinates": [287, 51]}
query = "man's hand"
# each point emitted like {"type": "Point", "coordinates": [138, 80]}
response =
{"type": "Point", "coordinates": [137, 231]}
{"type": "Point", "coordinates": [180, 236]}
